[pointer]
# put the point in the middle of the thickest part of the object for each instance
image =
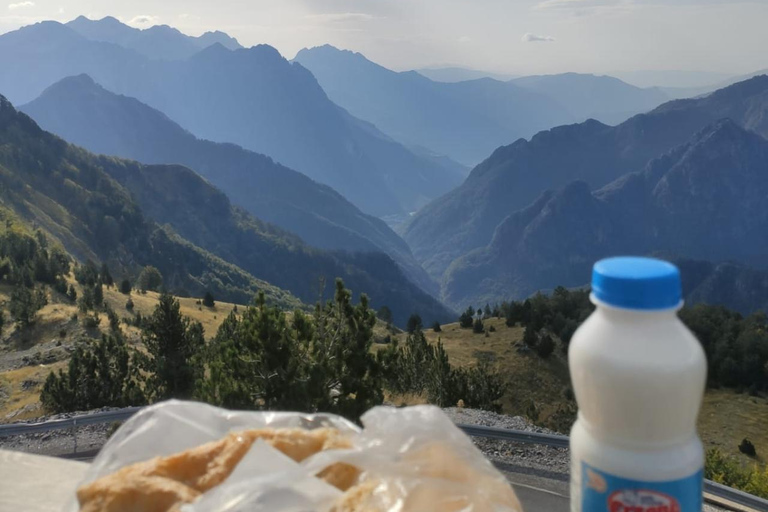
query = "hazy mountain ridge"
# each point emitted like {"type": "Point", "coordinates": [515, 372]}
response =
{"type": "Point", "coordinates": [176, 196]}
{"type": "Point", "coordinates": [156, 42]}
{"type": "Point", "coordinates": [515, 175]}
{"type": "Point", "coordinates": [735, 286]}
{"type": "Point", "coordinates": [66, 191]}
{"type": "Point", "coordinates": [84, 113]}
{"type": "Point", "coordinates": [451, 74]}
{"type": "Point", "coordinates": [604, 98]}
{"type": "Point", "coordinates": [704, 200]}
{"type": "Point", "coordinates": [109, 209]}
{"type": "Point", "coordinates": [464, 120]}
{"type": "Point", "coordinates": [252, 97]}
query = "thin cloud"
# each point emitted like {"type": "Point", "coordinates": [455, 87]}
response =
{"type": "Point", "coordinates": [533, 38]}
{"type": "Point", "coordinates": [144, 19]}
{"type": "Point", "coordinates": [577, 4]}
{"type": "Point", "coordinates": [465, 39]}
{"type": "Point", "coordinates": [20, 5]}
{"type": "Point", "coordinates": [341, 17]}
{"type": "Point", "coordinates": [585, 7]}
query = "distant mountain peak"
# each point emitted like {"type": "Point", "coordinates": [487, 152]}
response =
{"type": "Point", "coordinates": [217, 36]}
{"type": "Point", "coordinates": [164, 28]}
{"type": "Point", "coordinates": [106, 21]}
{"type": "Point", "coordinates": [82, 78]}
{"type": "Point", "coordinates": [79, 84]}
{"type": "Point", "coordinates": [109, 19]}
{"type": "Point", "coordinates": [50, 27]}
{"type": "Point", "coordinates": [330, 51]}
{"type": "Point", "coordinates": [259, 52]}
{"type": "Point", "coordinates": [5, 105]}
{"type": "Point", "coordinates": [157, 41]}
{"type": "Point", "coordinates": [212, 52]}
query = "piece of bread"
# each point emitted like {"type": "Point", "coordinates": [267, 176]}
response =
{"type": "Point", "coordinates": [162, 483]}
{"type": "Point", "coordinates": [433, 478]}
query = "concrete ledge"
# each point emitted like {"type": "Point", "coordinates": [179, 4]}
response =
{"type": "Point", "coordinates": [34, 483]}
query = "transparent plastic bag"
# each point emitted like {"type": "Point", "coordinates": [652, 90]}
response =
{"type": "Point", "coordinates": [411, 460]}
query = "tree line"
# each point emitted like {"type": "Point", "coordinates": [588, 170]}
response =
{"type": "Point", "coordinates": [736, 345]}
{"type": "Point", "coordinates": [263, 358]}
{"type": "Point", "coordinates": [30, 264]}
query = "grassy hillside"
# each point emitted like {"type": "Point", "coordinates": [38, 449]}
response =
{"type": "Point", "coordinates": [27, 358]}
{"type": "Point", "coordinates": [538, 388]}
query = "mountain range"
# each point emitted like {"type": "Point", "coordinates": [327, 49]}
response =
{"type": "Point", "coordinates": [603, 98]}
{"type": "Point", "coordinates": [252, 97]}
{"type": "Point", "coordinates": [464, 120]}
{"type": "Point", "coordinates": [65, 191]}
{"type": "Point", "coordinates": [514, 176]}
{"type": "Point", "coordinates": [467, 120]}
{"type": "Point", "coordinates": [156, 42]}
{"type": "Point", "coordinates": [131, 215]}
{"type": "Point", "coordinates": [84, 113]}
{"type": "Point", "coordinates": [458, 74]}
{"type": "Point", "coordinates": [702, 200]}
{"type": "Point", "coordinates": [738, 287]}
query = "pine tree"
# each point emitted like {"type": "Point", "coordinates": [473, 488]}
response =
{"type": "Point", "coordinates": [114, 321]}
{"type": "Point", "coordinates": [414, 324]}
{"type": "Point", "coordinates": [514, 314]}
{"type": "Point", "coordinates": [72, 293]}
{"type": "Point", "coordinates": [478, 327]}
{"type": "Point", "coordinates": [105, 276]}
{"type": "Point", "coordinates": [98, 295]}
{"type": "Point", "coordinates": [530, 338]}
{"type": "Point", "coordinates": [385, 314]}
{"type": "Point", "coordinates": [149, 279]}
{"type": "Point", "coordinates": [25, 303]}
{"type": "Point", "coordinates": [87, 274]}
{"type": "Point", "coordinates": [100, 374]}
{"type": "Point", "coordinates": [467, 318]}
{"type": "Point", "coordinates": [208, 300]}
{"type": "Point", "coordinates": [175, 346]}
{"type": "Point", "coordinates": [125, 287]}
{"type": "Point", "coordinates": [259, 359]}
{"type": "Point", "coordinates": [545, 346]}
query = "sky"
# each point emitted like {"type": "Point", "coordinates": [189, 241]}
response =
{"type": "Point", "coordinates": [505, 36]}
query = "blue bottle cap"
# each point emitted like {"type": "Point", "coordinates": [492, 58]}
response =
{"type": "Point", "coordinates": [637, 283]}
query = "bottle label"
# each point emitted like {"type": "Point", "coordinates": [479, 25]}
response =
{"type": "Point", "coordinates": [603, 492]}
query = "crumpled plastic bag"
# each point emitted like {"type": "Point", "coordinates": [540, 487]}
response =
{"type": "Point", "coordinates": [412, 460]}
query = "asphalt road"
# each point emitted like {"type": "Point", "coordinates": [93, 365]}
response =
{"type": "Point", "coordinates": [535, 500]}
{"type": "Point", "coordinates": [539, 491]}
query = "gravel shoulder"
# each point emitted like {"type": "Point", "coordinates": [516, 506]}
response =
{"type": "Point", "coordinates": [545, 461]}
{"type": "Point", "coordinates": [60, 442]}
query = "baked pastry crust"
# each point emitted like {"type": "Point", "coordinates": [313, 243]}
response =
{"type": "Point", "coordinates": [164, 483]}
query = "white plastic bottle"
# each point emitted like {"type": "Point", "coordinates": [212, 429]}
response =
{"type": "Point", "coordinates": [638, 375]}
